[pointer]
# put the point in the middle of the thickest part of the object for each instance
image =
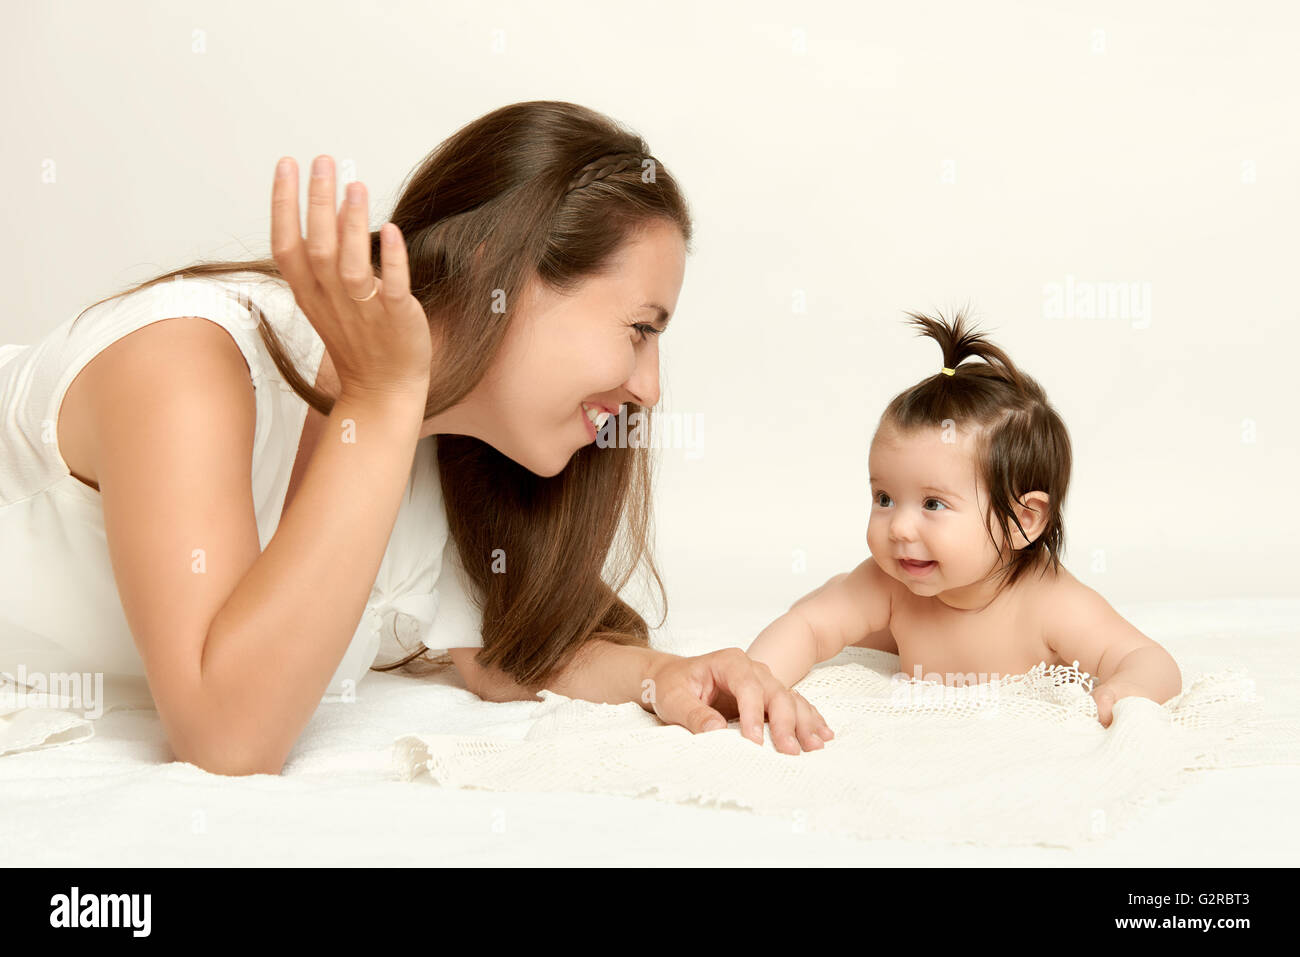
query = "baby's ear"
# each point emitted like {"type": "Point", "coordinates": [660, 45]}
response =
{"type": "Point", "coordinates": [1032, 513]}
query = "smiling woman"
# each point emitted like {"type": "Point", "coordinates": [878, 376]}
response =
{"type": "Point", "coordinates": [564, 222]}
{"type": "Point", "coordinates": [566, 352]}
{"type": "Point", "coordinates": [531, 263]}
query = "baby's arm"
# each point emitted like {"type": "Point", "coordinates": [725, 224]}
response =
{"type": "Point", "coordinates": [818, 626]}
{"type": "Point", "coordinates": [1082, 626]}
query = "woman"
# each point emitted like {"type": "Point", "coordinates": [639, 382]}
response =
{"type": "Point", "coordinates": [513, 302]}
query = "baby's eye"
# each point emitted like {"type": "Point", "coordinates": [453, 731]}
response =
{"type": "Point", "coordinates": [927, 502]}
{"type": "Point", "coordinates": [885, 496]}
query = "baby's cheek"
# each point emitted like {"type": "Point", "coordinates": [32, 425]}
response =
{"type": "Point", "coordinates": [954, 543]}
{"type": "Point", "coordinates": [876, 540]}
{"type": "Point", "coordinates": [977, 544]}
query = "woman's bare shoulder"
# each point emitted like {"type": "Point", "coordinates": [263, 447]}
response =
{"type": "Point", "coordinates": [170, 357]}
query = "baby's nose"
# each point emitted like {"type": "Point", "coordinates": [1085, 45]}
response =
{"type": "Point", "coordinates": [901, 530]}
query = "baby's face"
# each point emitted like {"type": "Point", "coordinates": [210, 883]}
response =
{"type": "Point", "coordinates": [928, 505]}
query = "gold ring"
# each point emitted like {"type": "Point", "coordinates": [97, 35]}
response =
{"type": "Point", "coordinates": [369, 297]}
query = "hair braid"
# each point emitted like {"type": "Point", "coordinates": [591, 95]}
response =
{"type": "Point", "coordinates": [602, 167]}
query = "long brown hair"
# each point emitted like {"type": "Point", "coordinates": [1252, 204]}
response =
{"type": "Point", "coordinates": [541, 190]}
{"type": "Point", "coordinates": [1022, 444]}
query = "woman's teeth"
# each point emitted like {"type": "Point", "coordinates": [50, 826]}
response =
{"type": "Point", "coordinates": [598, 417]}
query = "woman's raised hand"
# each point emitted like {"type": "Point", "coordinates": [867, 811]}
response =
{"type": "Point", "coordinates": [379, 346]}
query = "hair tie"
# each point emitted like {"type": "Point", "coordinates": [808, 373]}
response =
{"type": "Point", "coordinates": [946, 371]}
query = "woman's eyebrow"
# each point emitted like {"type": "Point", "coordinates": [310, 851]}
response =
{"type": "Point", "coordinates": [663, 317]}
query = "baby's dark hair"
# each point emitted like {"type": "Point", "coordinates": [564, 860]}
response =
{"type": "Point", "coordinates": [1021, 443]}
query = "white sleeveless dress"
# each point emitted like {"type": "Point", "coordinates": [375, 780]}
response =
{"type": "Point", "coordinates": [60, 611]}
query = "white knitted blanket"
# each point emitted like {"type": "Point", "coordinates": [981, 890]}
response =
{"type": "Point", "coordinates": [1020, 760]}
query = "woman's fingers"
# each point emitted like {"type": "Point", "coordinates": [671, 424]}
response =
{"type": "Point", "coordinates": [808, 724]}
{"type": "Point", "coordinates": [355, 271]}
{"type": "Point", "coordinates": [756, 691]}
{"type": "Point", "coordinates": [748, 692]}
{"type": "Point", "coordinates": [344, 262]}
{"type": "Point", "coordinates": [287, 248]}
{"type": "Point", "coordinates": [338, 245]}
{"type": "Point", "coordinates": [779, 704]}
{"type": "Point", "coordinates": [378, 337]}
{"type": "Point", "coordinates": [819, 724]}
{"type": "Point", "coordinates": [794, 721]}
{"type": "Point", "coordinates": [679, 706]}
{"type": "Point", "coordinates": [791, 718]}
{"type": "Point", "coordinates": [322, 228]}
{"type": "Point", "coordinates": [732, 671]}
{"type": "Point", "coordinates": [323, 242]}
{"type": "Point", "coordinates": [685, 696]}
{"type": "Point", "coordinates": [393, 263]}
{"type": "Point", "coordinates": [782, 716]}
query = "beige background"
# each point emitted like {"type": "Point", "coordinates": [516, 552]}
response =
{"type": "Point", "coordinates": [844, 162]}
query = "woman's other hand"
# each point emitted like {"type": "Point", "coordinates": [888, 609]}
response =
{"type": "Point", "coordinates": [703, 692]}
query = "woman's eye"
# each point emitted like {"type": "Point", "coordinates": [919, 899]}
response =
{"type": "Point", "coordinates": [936, 502]}
{"type": "Point", "coordinates": [646, 330]}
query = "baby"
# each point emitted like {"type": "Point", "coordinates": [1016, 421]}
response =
{"type": "Point", "coordinates": [969, 470]}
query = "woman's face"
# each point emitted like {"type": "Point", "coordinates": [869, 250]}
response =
{"type": "Point", "coordinates": [594, 348]}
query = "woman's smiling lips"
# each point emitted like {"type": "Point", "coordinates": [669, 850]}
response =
{"type": "Point", "coordinates": [595, 416]}
{"type": "Point", "coordinates": [917, 569]}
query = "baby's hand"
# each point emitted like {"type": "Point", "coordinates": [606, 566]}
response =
{"type": "Point", "coordinates": [1107, 693]}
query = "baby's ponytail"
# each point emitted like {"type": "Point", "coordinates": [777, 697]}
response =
{"type": "Point", "coordinates": [960, 341]}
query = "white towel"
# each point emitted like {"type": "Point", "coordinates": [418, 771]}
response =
{"type": "Point", "coordinates": [1017, 761]}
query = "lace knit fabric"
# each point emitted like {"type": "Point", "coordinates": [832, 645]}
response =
{"type": "Point", "coordinates": [1021, 760]}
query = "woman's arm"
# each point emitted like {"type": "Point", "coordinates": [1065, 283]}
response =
{"type": "Point", "coordinates": [701, 693]}
{"type": "Point", "coordinates": [238, 645]}
{"type": "Point", "coordinates": [601, 671]}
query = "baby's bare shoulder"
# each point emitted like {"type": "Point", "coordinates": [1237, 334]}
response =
{"type": "Point", "coordinates": [1078, 623]}
{"type": "Point", "coordinates": [1054, 590]}
{"type": "Point", "coordinates": [1049, 599]}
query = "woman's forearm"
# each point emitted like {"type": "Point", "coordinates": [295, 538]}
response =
{"type": "Point", "coordinates": [601, 671]}
{"type": "Point", "coordinates": [278, 639]}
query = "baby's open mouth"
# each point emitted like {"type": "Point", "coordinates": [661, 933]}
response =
{"type": "Point", "coordinates": [916, 568]}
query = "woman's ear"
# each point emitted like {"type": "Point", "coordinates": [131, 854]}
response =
{"type": "Point", "coordinates": [1032, 513]}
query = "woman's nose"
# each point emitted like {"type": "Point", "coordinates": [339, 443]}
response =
{"type": "Point", "coordinates": [644, 383]}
